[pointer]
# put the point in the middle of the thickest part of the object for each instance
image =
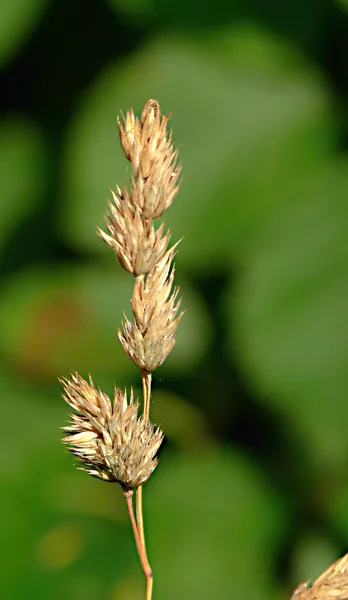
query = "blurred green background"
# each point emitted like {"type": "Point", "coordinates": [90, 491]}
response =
{"type": "Point", "coordinates": [251, 494]}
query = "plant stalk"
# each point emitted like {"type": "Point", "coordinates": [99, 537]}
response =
{"type": "Point", "coordinates": [146, 381]}
{"type": "Point", "coordinates": [128, 494]}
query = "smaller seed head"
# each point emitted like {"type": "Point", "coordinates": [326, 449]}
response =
{"type": "Point", "coordinates": [138, 246]}
{"type": "Point", "coordinates": [149, 340]}
{"type": "Point", "coordinates": [148, 146]}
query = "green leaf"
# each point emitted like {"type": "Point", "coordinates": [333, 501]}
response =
{"type": "Point", "coordinates": [215, 525]}
{"type": "Point", "coordinates": [17, 19]}
{"type": "Point", "coordinates": [244, 132]}
{"type": "Point", "coordinates": [22, 163]}
{"type": "Point", "coordinates": [288, 315]}
{"type": "Point", "coordinates": [192, 16]}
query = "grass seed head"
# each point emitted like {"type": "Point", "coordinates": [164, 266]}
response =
{"type": "Point", "coordinates": [148, 146]}
{"type": "Point", "coordinates": [109, 439]}
{"type": "Point", "coordinates": [332, 584]}
{"type": "Point", "coordinates": [149, 340]}
{"type": "Point", "coordinates": [138, 246]}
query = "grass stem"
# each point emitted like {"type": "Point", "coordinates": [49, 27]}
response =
{"type": "Point", "coordinates": [128, 493]}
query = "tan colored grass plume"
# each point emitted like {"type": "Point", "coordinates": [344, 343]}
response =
{"type": "Point", "coordinates": [108, 437]}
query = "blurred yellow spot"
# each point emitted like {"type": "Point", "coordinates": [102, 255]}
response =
{"type": "Point", "coordinates": [130, 587]}
{"type": "Point", "coordinates": [60, 546]}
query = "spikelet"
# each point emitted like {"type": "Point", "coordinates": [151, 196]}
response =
{"type": "Point", "coordinates": [110, 440]}
{"type": "Point", "coordinates": [149, 340]}
{"type": "Point", "coordinates": [149, 148]}
{"type": "Point", "coordinates": [330, 585]}
{"type": "Point", "coordinates": [136, 243]}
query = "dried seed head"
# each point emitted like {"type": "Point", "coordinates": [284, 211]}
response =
{"type": "Point", "coordinates": [149, 340]}
{"type": "Point", "coordinates": [109, 439]}
{"type": "Point", "coordinates": [137, 245]}
{"type": "Point", "coordinates": [149, 148]}
{"type": "Point", "coordinates": [330, 585]}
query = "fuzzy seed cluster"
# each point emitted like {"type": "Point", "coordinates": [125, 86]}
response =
{"type": "Point", "coordinates": [109, 438]}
